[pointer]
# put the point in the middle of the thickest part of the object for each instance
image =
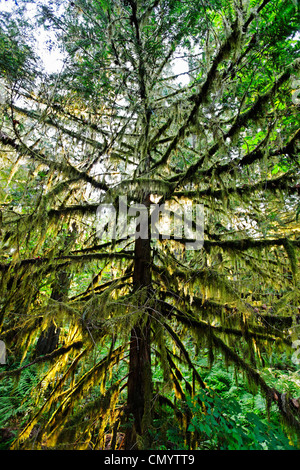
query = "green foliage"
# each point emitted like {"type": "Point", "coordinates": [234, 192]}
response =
{"type": "Point", "coordinates": [226, 416]}
{"type": "Point", "coordinates": [222, 424]}
{"type": "Point", "coordinates": [169, 346]}
{"type": "Point", "coordinates": [255, 426]}
{"type": "Point", "coordinates": [16, 55]}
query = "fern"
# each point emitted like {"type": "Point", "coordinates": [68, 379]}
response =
{"type": "Point", "coordinates": [16, 403]}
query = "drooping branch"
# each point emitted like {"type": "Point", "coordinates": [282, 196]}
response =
{"type": "Point", "coordinates": [64, 167]}
{"type": "Point", "coordinates": [198, 99]}
{"type": "Point", "coordinates": [39, 118]}
{"type": "Point", "coordinates": [66, 258]}
{"type": "Point", "coordinates": [287, 409]}
{"type": "Point", "coordinates": [46, 357]}
{"type": "Point", "coordinates": [184, 352]}
{"type": "Point", "coordinates": [285, 181]}
{"type": "Point", "coordinates": [241, 120]}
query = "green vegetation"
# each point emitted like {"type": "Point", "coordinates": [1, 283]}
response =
{"type": "Point", "coordinates": [140, 342]}
{"type": "Point", "coordinates": [230, 416]}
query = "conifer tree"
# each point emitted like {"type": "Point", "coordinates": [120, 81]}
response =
{"type": "Point", "coordinates": [122, 119]}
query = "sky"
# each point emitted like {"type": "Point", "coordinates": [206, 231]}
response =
{"type": "Point", "coordinates": [53, 60]}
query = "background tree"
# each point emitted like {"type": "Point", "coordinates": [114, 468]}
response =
{"type": "Point", "coordinates": [118, 119]}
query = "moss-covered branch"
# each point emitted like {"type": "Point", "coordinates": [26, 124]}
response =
{"type": "Point", "coordinates": [47, 357]}
{"type": "Point", "coordinates": [69, 258]}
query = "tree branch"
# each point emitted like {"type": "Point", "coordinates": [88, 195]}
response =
{"type": "Point", "coordinates": [47, 357]}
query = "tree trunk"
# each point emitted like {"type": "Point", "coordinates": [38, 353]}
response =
{"type": "Point", "coordinates": [140, 379]}
{"type": "Point", "coordinates": [49, 339]}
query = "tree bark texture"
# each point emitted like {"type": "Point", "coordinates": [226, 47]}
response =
{"type": "Point", "coordinates": [49, 339]}
{"type": "Point", "coordinates": [139, 379]}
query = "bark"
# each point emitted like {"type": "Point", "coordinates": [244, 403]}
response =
{"type": "Point", "coordinates": [139, 379]}
{"type": "Point", "coordinates": [48, 341]}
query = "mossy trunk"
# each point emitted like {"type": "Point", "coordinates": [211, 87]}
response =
{"type": "Point", "coordinates": [49, 339]}
{"type": "Point", "coordinates": [140, 378]}
{"type": "Point", "coordinates": [139, 387]}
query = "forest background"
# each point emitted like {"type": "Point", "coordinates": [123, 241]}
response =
{"type": "Point", "coordinates": [140, 343]}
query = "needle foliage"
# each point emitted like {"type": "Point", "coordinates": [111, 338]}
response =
{"type": "Point", "coordinates": [132, 343]}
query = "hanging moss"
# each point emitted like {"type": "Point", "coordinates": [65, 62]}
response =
{"type": "Point", "coordinates": [117, 122]}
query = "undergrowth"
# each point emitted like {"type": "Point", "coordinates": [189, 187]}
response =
{"type": "Point", "coordinates": [227, 415]}
{"type": "Point", "coordinates": [16, 404]}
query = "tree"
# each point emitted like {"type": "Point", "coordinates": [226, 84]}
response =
{"type": "Point", "coordinates": [116, 121]}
